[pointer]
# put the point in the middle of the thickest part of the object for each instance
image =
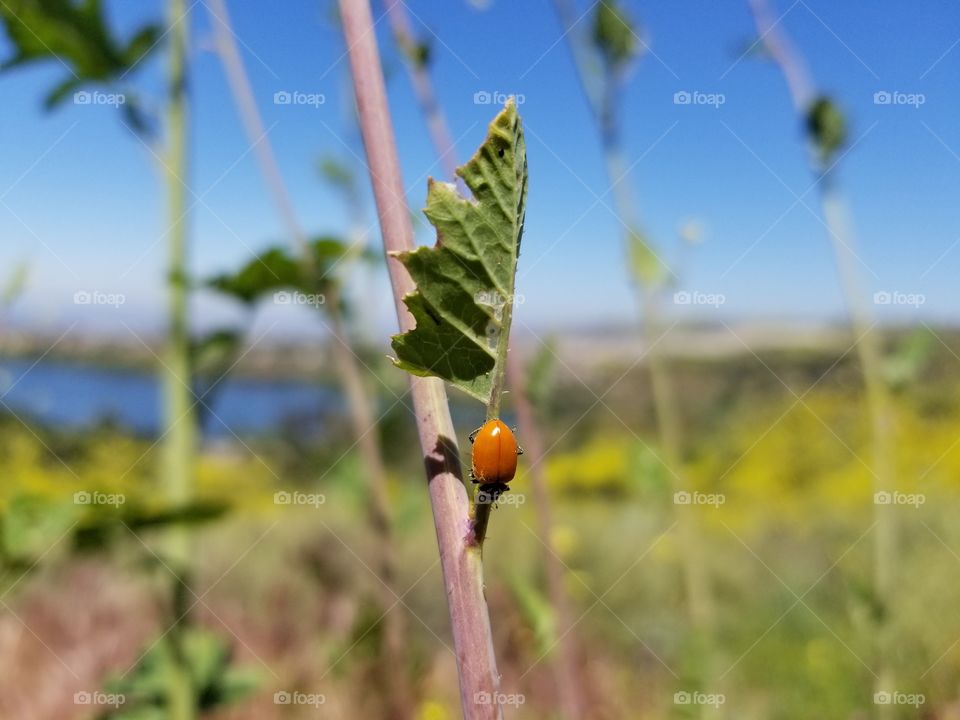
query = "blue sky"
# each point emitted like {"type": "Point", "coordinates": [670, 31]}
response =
{"type": "Point", "coordinates": [85, 206]}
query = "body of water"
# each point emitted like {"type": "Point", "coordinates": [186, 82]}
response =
{"type": "Point", "coordinates": [64, 394]}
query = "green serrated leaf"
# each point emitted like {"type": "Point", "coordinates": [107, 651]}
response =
{"type": "Point", "coordinates": [463, 304]}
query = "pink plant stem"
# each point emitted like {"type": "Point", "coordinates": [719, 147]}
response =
{"type": "Point", "coordinates": [459, 555]}
{"type": "Point", "coordinates": [790, 62]}
{"type": "Point", "coordinates": [423, 87]}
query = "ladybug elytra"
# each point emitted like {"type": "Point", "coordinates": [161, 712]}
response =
{"type": "Point", "coordinates": [495, 453]}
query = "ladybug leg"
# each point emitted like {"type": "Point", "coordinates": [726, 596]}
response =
{"type": "Point", "coordinates": [519, 449]}
{"type": "Point", "coordinates": [491, 492]}
{"type": "Point", "coordinates": [473, 436]}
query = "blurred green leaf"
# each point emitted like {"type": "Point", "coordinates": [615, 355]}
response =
{"type": "Point", "coordinates": [540, 373]}
{"type": "Point", "coordinates": [329, 252]}
{"type": "Point", "coordinates": [269, 271]}
{"type": "Point", "coordinates": [465, 283]}
{"type": "Point", "coordinates": [15, 282]}
{"type": "Point", "coordinates": [278, 269]}
{"type": "Point", "coordinates": [198, 511]}
{"type": "Point", "coordinates": [827, 128]}
{"type": "Point", "coordinates": [648, 474]}
{"type": "Point", "coordinates": [75, 34]}
{"type": "Point", "coordinates": [103, 525]}
{"type": "Point", "coordinates": [537, 612]}
{"type": "Point", "coordinates": [213, 352]}
{"type": "Point", "coordinates": [207, 657]}
{"type": "Point", "coordinates": [614, 34]}
{"type": "Point", "coordinates": [417, 53]}
{"type": "Point", "coordinates": [645, 265]}
{"type": "Point", "coordinates": [906, 363]}
{"type": "Point", "coordinates": [32, 525]}
{"type": "Point", "coordinates": [753, 47]}
{"type": "Point", "coordinates": [337, 174]}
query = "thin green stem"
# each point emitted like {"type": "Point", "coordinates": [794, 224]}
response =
{"type": "Point", "coordinates": [870, 358]}
{"type": "Point", "coordinates": [868, 346]}
{"type": "Point", "coordinates": [570, 677]}
{"type": "Point", "coordinates": [480, 515]}
{"type": "Point", "coordinates": [602, 94]}
{"type": "Point", "coordinates": [181, 421]}
{"type": "Point", "coordinates": [180, 416]}
{"type": "Point", "coordinates": [503, 347]}
{"type": "Point", "coordinates": [347, 364]}
{"type": "Point", "coordinates": [423, 87]}
{"type": "Point", "coordinates": [666, 407]}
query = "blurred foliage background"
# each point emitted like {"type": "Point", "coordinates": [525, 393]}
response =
{"type": "Point", "coordinates": [699, 539]}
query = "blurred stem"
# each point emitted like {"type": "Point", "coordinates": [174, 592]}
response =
{"type": "Point", "coordinates": [870, 357]}
{"type": "Point", "coordinates": [423, 87]}
{"type": "Point", "coordinates": [357, 394]}
{"type": "Point", "coordinates": [459, 553]}
{"type": "Point", "coordinates": [868, 344]}
{"type": "Point", "coordinates": [181, 422]}
{"type": "Point", "coordinates": [696, 579]}
{"type": "Point", "coordinates": [564, 666]}
{"type": "Point", "coordinates": [364, 427]}
{"type": "Point", "coordinates": [602, 94]}
{"type": "Point", "coordinates": [243, 96]}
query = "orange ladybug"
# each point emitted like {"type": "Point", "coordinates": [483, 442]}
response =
{"type": "Point", "coordinates": [495, 453]}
